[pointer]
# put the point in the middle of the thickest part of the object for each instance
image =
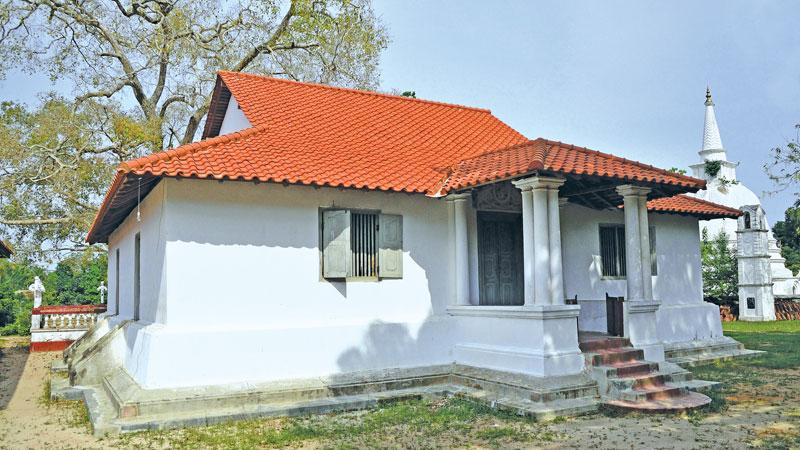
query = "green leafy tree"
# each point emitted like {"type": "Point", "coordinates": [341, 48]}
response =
{"type": "Point", "coordinates": [55, 169]}
{"type": "Point", "coordinates": [787, 232]}
{"type": "Point", "coordinates": [15, 306]}
{"type": "Point", "coordinates": [143, 72]}
{"type": "Point", "coordinates": [74, 281]}
{"type": "Point", "coordinates": [719, 267]}
{"type": "Point", "coordinates": [77, 278]}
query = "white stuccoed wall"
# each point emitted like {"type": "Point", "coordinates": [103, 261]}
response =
{"type": "Point", "coordinates": [234, 119]}
{"type": "Point", "coordinates": [247, 302]}
{"type": "Point", "coordinates": [232, 292]}
{"type": "Point", "coordinates": [678, 286]}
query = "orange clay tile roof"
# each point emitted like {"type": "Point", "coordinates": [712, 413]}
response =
{"type": "Point", "coordinates": [551, 156]}
{"type": "Point", "coordinates": [684, 204]}
{"type": "Point", "coordinates": [323, 135]}
{"type": "Point", "coordinates": [314, 134]}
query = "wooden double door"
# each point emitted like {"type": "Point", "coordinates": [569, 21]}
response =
{"type": "Point", "coordinates": [500, 263]}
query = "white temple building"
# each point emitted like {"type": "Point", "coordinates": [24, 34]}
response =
{"type": "Point", "coordinates": [724, 188]}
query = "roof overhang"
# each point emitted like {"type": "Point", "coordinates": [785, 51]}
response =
{"type": "Point", "coordinates": [220, 97]}
{"type": "Point", "coordinates": [126, 191]}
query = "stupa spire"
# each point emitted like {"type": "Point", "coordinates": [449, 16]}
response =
{"type": "Point", "coordinates": [712, 142]}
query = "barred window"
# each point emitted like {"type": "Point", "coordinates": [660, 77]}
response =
{"type": "Point", "coordinates": [363, 245]}
{"type": "Point", "coordinates": [612, 250]}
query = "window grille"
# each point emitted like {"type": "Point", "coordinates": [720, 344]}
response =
{"type": "Point", "coordinates": [363, 244]}
{"type": "Point", "coordinates": [612, 250]}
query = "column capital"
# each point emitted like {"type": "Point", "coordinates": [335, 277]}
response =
{"type": "Point", "coordinates": [538, 182]}
{"type": "Point", "coordinates": [626, 190]}
{"type": "Point", "coordinates": [459, 196]}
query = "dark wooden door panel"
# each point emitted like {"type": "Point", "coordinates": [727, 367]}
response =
{"type": "Point", "coordinates": [500, 258]}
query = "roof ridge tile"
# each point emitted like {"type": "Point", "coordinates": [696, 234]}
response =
{"type": "Point", "coordinates": [354, 90]}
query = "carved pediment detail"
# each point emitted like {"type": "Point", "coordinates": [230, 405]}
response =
{"type": "Point", "coordinates": [502, 197]}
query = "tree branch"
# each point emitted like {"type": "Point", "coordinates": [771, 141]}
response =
{"type": "Point", "coordinates": [35, 221]}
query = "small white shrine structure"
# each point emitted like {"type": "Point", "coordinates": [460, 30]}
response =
{"type": "Point", "coordinates": [756, 301]}
{"type": "Point", "coordinates": [724, 188]}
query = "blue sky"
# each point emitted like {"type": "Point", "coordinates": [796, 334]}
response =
{"type": "Point", "coordinates": [623, 77]}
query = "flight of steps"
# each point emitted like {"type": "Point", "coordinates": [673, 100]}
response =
{"type": "Point", "coordinates": [629, 382]}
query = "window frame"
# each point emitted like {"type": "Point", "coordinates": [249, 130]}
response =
{"type": "Point", "coordinates": [620, 260]}
{"type": "Point", "coordinates": [621, 256]}
{"type": "Point", "coordinates": [375, 237]}
{"type": "Point", "coordinates": [320, 246]}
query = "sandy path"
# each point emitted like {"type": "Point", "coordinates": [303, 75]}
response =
{"type": "Point", "coordinates": [26, 421]}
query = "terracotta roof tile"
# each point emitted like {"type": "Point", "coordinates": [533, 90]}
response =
{"type": "Point", "coordinates": [558, 157]}
{"type": "Point", "coordinates": [684, 204]}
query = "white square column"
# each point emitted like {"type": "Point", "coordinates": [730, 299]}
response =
{"type": "Point", "coordinates": [639, 306]}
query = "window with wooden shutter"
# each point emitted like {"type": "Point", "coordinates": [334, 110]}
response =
{"type": "Point", "coordinates": [364, 245]}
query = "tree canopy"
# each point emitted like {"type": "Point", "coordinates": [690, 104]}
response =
{"type": "Point", "coordinates": [720, 269]}
{"type": "Point", "coordinates": [787, 232]}
{"type": "Point", "coordinates": [142, 74]}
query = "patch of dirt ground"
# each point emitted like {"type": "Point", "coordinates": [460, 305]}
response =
{"type": "Point", "coordinates": [766, 414]}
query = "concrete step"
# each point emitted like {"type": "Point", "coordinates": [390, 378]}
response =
{"type": "Point", "coordinates": [593, 345]}
{"type": "Point", "coordinates": [638, 382]}
{"type": "Point", "coordinates": [703, 358]}
{"type": "Point", "coordinates": [59, 366]}
{"type": "Point", "coordinates": [550, 410]}
{"type": "Point", "coordinates": [616, 355]}
{"type": "Point", "coordinates": [626, 369]}
{"type": "Point", "coordinates": [681, 403]}
{"type": "Point", "coordinates": [652, 393]}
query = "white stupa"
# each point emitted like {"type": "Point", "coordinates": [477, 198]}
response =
{"type": "Point", "coordinates": [723, 188]}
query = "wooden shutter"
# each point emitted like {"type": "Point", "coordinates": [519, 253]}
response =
{"type": "Point", "coordinates": [390, 246]}
{"type": "Point", "coordinates": [335, 243]}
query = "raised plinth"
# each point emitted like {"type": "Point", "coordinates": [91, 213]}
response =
{"type": "Point", "coordinates": [538, 340]}
{"type": "Point", "coordinates": [641, 328]}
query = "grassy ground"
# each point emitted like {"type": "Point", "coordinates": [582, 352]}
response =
{"type": "Point", "coordinates": [757, 407]}
{"type": "Point", "coordinates": [422, 424]}
{"type": "Point", "coordinates": [770, 378]}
